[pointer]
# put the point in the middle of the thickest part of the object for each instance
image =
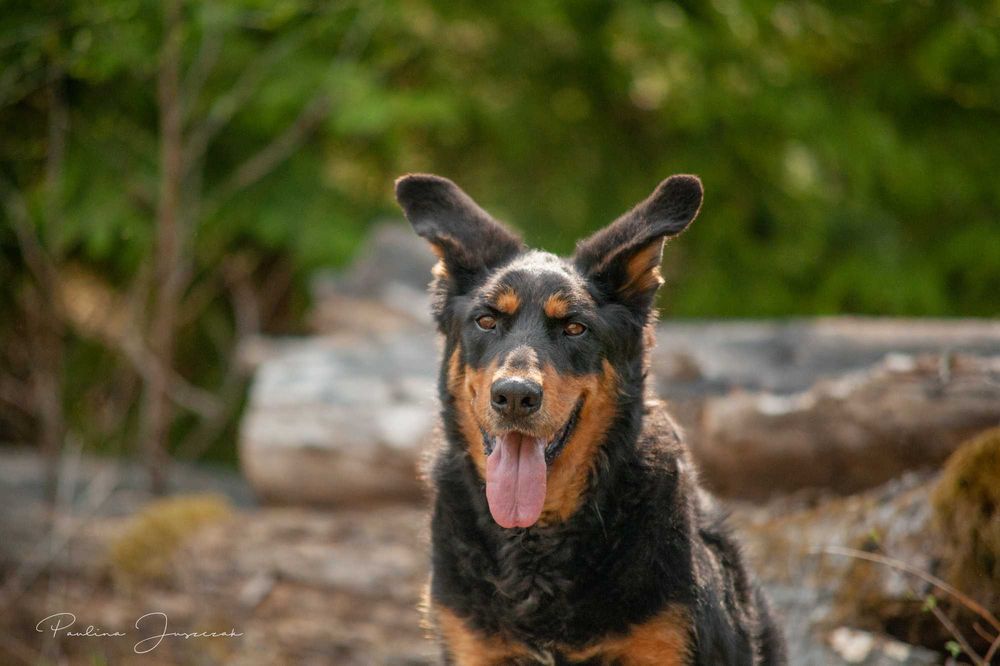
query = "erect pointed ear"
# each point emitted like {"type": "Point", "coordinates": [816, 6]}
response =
{"type": "Point", "coordinates": [623, 259]}
{"type": "Point", "coordinates": [465, 238]}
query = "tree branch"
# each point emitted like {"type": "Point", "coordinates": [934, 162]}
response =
{"type": "Point", "coordinates": [994, 649]}
{"type": "Point", "coordinates": [271, 156]}
{"type": "Point", "coordinates": [55, 160]}
{"type": "Point", "coordinates": [37, 258]}
{"type": "Point", "coordinates": [900, 565]}
{"type": "Point", "coordinates": [228, 104]}
{"type": "Point", "coordinates": [12, 391]}
{"type": "Point", "coordinates": [209, 49]}
{"type": "Point", "coordinates": [312, 114]}
{"type": "Point", "coordinates": [238, 274]}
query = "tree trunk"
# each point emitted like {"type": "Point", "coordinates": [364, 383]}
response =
{"type": "Point", "coordinates": [157, 413]}
{"type": "Point", "coordinates": [45, 329]}
{"type": "Point", "coordinates": [48, 330]}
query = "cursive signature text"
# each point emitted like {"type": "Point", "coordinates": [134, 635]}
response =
{"type": "Point", "coordinates": [153, 628]}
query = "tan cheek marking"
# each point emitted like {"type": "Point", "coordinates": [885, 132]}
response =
{"type": "Point", "coordinates": [469, 648]}
{"type": "Point", "coordinates": [440, 271]}
{"type": "Point", "coordinates": [561, 395]}
{"type": "Point", "coordinates": [643, 270]}
{"type": "Point", "coordinates": [459, 388]}
{"type": "Point", "coordinates": [570, 473]}
{"type": "Point", "coordinates": [556, 306]}
{"type": "Point", "coordinates": [468, 386]}
{"type": "Point", "coordinates": [456, 376]}
{"type": "Point", "coordinates": [508, 301]}
{"type": "Point", "coordinates": [662, 641]}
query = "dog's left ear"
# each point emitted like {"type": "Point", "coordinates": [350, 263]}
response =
{"type": "Point", "coordinates": [467, 240]}
{"type": "Point", "coordinates": [623, 259]}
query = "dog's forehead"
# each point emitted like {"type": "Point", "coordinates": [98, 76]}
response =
{"type": "Point", "coordinates": [537, 273]}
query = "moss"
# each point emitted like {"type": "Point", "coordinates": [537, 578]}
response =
{"type": "Point", "coordinates": [143, 552]}
{"type": "Point", "coordinates": [966, 503]}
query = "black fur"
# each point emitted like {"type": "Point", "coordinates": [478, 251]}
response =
{"type": "Point", "coordinates": [665, 213]}
{"type": "Point", "coordinates": [466, 238]}
{"type": "Point", "coordinates": [645, 535]}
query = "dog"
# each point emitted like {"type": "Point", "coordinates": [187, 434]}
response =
{"type": "Point", "coordinates": [567, 524]}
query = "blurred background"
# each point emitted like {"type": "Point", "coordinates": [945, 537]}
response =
{"type": "Point", "coordinates": [200, 256]}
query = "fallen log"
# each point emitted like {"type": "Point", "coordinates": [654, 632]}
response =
{"type": "Point", "coordinates": [848, 433]}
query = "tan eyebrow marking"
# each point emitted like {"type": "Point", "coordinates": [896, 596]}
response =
{"type": "Point", "coordinates": [508, 301]}
{"type": "Point", "coordinates": [556, 305]}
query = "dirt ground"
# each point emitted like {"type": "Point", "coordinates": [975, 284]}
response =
{"type": "Point", "coordinates": [344, 586]}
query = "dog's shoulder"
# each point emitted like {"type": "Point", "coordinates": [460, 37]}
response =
{"type": "Point", "coordinates": [662, 460]}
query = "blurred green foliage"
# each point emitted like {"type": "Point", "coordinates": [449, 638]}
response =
{"type": "Point", "coordinates": [849, 150]}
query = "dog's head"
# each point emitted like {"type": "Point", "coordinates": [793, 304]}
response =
{"type": "Point", "coordinates": [540, 348]}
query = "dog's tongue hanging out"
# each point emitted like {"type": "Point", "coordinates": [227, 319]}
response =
{"type": "Point", "coordinates": [515, 479]}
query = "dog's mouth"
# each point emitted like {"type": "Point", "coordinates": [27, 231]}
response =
{"type": "Point", "coordinates": [516, 471]}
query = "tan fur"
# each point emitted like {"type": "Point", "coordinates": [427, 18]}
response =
{"type": "Point", "coordinates": [643, 270]}
{"type": "Point", "coordinates": [426, 609]}
{"type": "Point", "coordinates": [556, 306]}
{"type": "Point", "coordinates": [507, 301]}
{"type": "Point", "coordinates": [464, 384]}
{"type": "Point", "coordinates": [439, 270]}
{"type": "Point", "coordinates": [664, 640]}
{"type": "Point", "coordinates": [469, 648]}
{"type": "Point", "coordinates": [570, 472]}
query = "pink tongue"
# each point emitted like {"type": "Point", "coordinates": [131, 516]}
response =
{"type": "Point", "coordinates": [515, 480]}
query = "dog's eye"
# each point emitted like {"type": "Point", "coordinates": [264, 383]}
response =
{"type": "Point", "coordinates": [574, 328]}
{"type": "Point", "coordinates": [486, 322]}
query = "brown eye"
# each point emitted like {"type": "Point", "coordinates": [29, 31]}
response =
{"type": "Point", "coordinates": [574, 328]}
{"type": "Point", "coordinates": [486, 322]}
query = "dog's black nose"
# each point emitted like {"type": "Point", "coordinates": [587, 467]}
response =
{"type": "Point", "coordinates": [515, 397]}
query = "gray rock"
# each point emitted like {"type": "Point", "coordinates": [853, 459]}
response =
{"type": "Point", "coordinates": [789, 356]}
{"type": "Point", "coordinates": [385, 288]}
{"type": "Point", "coordinates": [392, 256]}
{"type": "Point", "coordinates": [837, 609]}
{"type": "Point", "coordinates": [340, 420]}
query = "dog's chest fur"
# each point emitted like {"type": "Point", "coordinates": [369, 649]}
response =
{"type": "Point", "coordinates": [533, 572]}
{"type": "Point", "coordinates": [565, 583]}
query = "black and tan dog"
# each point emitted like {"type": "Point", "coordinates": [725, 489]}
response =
{"type": "Point", "coordinates": [568, 526]}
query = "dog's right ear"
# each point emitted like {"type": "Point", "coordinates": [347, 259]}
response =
{"type": "Point", "coordinates": [623, 259]}
{"type": "Point", "coordinates": [465, 238]}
